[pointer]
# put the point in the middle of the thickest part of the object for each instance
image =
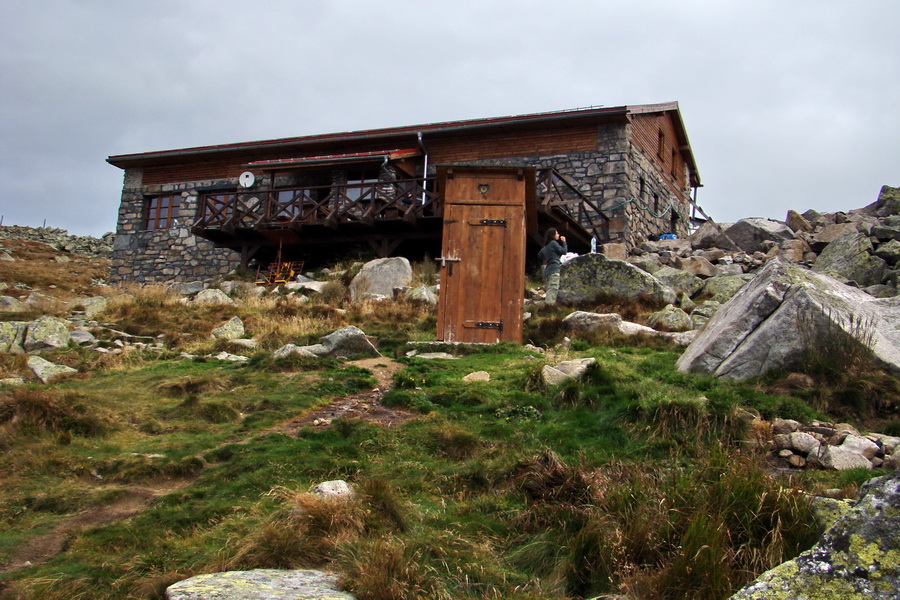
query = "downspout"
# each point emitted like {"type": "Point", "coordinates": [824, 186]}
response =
{"type": "Point", "coordinates": [425, 168]}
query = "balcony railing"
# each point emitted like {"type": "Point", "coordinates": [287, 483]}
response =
{"type": "Point", "coordinates": [556, 194]}
{"type": "Point", "coordinates": [365, 203]}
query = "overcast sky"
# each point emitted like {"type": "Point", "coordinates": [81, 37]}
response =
{"type": "Point", "coordinates": [788, 104]}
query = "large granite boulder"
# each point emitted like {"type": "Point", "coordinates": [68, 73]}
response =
{"type": "Point", "coordinates": [858, 557]}
{"type": "Point", "coordinates": [781, 315]}
{"type": "Point", "coordinates": [12, 336]}
{"type": "Point", "coordinates": [212, 296]}
{"type": "Point", "coordinates": [584, 277]}
{"type": "Point", "coordinates": [850, 258]}
{"type": "Point", "coordinates": [91, 306]}
{"type": "Point", "coordinates": [259, 584]}
{"type": "Point", "coordinates": [670, 318]}
{"type": "Point", "coordinates": [888, 203]}
{"type": "Point", "coordinates": [679, 280]}
{"type": "Point", "coordinates": [379, 277]}
{"type": "Point", "coordinates": [749, 234]}
{"type": "Point", "coordinates": [46, 332]}
{"type": "Point", "coordinates": [11, 304]}
{"type": "Point", "coordinates": [724, 287]}
{"type": "Point", "coordinates": [47, 371]}
{"type": "Point", "coordinates": [712, 235]}
{"type": "Point", "coordinates": [349, 342]}
{"type": "Point", "coordinates": [232, 329]}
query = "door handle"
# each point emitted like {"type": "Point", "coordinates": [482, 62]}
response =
{"type": "Point", "coordinates": [448, 262]}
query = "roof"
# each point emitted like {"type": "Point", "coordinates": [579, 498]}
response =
{"type": "Point", "coordinates": [500, 124]}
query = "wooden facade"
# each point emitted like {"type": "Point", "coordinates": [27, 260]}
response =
{"type": "Point", "coordinates": [621, 173]}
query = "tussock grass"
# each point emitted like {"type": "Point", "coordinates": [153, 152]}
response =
{"type": "Point", "coordinates": [34, 412]}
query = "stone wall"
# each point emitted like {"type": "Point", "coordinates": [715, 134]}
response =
{"type": "Point", "coordinates": [611, 176]}
{"type": "Point", "coordinates": [164, 255]}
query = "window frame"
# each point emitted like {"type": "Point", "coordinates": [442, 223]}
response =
{"type": "Point", "coordinates": [161, 211]}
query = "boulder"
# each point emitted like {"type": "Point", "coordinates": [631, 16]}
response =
{"type": "Point", "coordinates": [614, 251]}
{"type": "Point", "coordinates": [314, 286]}
{"type": "Point", "coordinates": [712, 235]}
{"type": "Point", "coordinates": [862, 446]}
{"type": "Point", "coordinates": [679, 280]}
{"type": "Point", "coordinates": [423, 293]}
{"type": "Point", "coordinates": [259, 584]}
{"type": "Point", "coordinates": [41, 302]}
{"type": "Point", "coordinates": [888, 203]}
{"type": "Point", "coordinates": [703, 312]}
{"type": "Point", "coordinates": [477, 376]}
{"type": "Point", "coordinates": [587, 321]}
{"type": "Point", "coordinates": [697, 265]}
{"type": "Point", "coordinates": [82, 337]}
{"type": "Point", "coordinates": [798, 441]}
{"type": "Point", "coordinates": [566, 370]}
{"type": "Point", "coordinates": [289, 349]}
{"type": "Point", "coordinates": [348, 341]}
{"type": "Point", "coordinates": [10, 304]}
{"type": "Point", "coordinates": [797, 222]}
{"type": "Point", "coordinates": [336, 489]}
{"type": "Point", "coordinates": [188, 288]}
{"type": "Point", "coordinates": [12, 336]}
{"type": "Point", "coordinates": [584, 277]}
{"type": "Point", "coordinates": [46, 332]}
{"type": "Point", "coordinates": [212, 296]}
{"type": "Point", "coordinates": [849, 258]}
{"type": "Point", "coordinates": [91, 306]}
{"type": "Point", "coordinates": [781, 315]}
{"type": "Point", "coordinates": [47, 371]}
{"type": "Point", "coordinates": [230, 330]}
{"type": "Point", "coordinates": [723, 288]}
{"type": "Point", "coordinates": [857, 558]}
{"type": "Point", "coordinates": [749, 234]}
{"type": "Point", "coordinates": [671, 318]}
{"type": "Point", "coordinates": [828, 233]}
{"type": "Point", "coordinates": [889, 252]}
{"type": "Point", "coordinates": [380, 277]}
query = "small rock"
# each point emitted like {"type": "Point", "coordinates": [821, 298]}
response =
{"type": "Point", "coordinates": [477, 376]}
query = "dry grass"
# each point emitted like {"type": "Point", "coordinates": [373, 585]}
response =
{"type": "Point", "coordinates": [35, 266]}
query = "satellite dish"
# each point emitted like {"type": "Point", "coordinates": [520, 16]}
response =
{"type": "Point", "coordinates": [247, 179]}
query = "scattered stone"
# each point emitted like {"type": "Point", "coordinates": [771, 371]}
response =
{"type": "Point", "coordinates": [259, 584]}
{"type": "Point", "coordinates": [212, 296]}
{"type": "Point", "coordinates": [839, 458]}
{"type": "Point", "coordinates": [232, 329]}
{"type": "Point", "coordinates": [434, 355]}
{"type": "Point", "coordinates": [289, 349]}
{"type": "Point", "coordinates": [477, 376]}
{"type": "Point", "coordinates": [566, 370]}
{"type": "Point", "coordinates": [46, 332]}
{"type": "Point", "coordinates": [47, 371]}
{"type": "Point", "coordinates": [82, 337]}
{"type": "Point", "coordinates": [12, 336]}
{"type": "Point", "coordinates": [91, 306]}
{"type": "Point", "coordinates": [337, 488]}
{"type": "Point", "coordinates": [381, 276]}
{"type": "Point", "coordinates": [588, 321]}
{"type": "Point", "coordinates": [749, 234]}
{"type": "Point", "coordinates": [850, 258]}
{"type": "Point", "coordinates": [670, 318]}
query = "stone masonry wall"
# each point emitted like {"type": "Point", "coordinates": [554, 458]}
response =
{"type": "Point", "coordinates": [164, 255]}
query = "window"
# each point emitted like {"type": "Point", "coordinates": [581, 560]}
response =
{"type": "Point", "coordinates": [359, 183]}
{"type": "Point", "coordinates": [162, 212]}
{"type": "Point", "coordinates": [660, 144]}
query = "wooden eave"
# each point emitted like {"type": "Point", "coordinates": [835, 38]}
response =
{"type": "Point", "coordinates": [368, 139]}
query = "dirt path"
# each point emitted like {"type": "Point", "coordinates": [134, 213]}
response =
{"type": "Point", "coordinates": [134, 500]}
{"type": "Point", "coordinates": [365, 406]}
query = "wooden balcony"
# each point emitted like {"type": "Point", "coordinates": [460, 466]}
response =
{"type": "Point", "coordinates": [382, 213]}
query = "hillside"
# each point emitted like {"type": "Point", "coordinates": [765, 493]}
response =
{"type": "Point", "coordinates": [169, 452]}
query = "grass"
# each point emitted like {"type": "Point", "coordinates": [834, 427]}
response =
{"type": "Point", "coordinates": [629, 481]}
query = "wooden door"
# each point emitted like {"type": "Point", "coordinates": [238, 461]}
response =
{"type": "Point", "coordinates": [483, 254]}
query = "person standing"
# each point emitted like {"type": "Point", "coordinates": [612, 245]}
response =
{"type": "Point", "coordinates": [554, 249]}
